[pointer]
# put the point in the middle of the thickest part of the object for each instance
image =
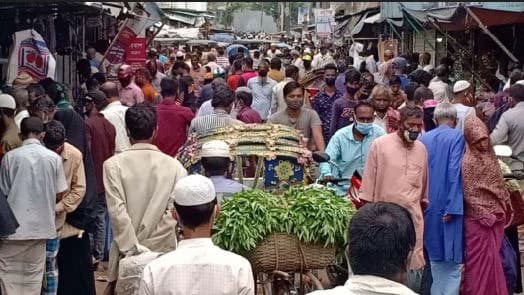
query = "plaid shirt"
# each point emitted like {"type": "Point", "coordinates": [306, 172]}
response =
{"type": "Point", "coordinates": [323, 104]}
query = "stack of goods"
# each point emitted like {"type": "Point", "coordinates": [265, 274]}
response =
{"type": "Point", "coordinates": [301, 229]}
{"type": "Point", "coordinates": [267, 141]}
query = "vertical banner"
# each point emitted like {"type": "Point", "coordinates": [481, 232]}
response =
{"type": "Point", "coordinates": [323, 21]}
{"type": "Point", "coordinates": [31, 55]}
{"type": "Point", "coordinates": [129, 45]}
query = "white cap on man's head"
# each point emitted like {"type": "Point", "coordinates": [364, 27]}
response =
{"type": "Point", "coordinates": [7, 101]}
{"type": "Point", "coordinates": [461, 86]}
{"type": "Point", "coordinates": [194, 190]}
{"type": "Point", "coordinates": [215, 148]}
{"type": "Point", "coordinates": [243, 89]}
{"type": "Point", "coordinates": [179, 54]}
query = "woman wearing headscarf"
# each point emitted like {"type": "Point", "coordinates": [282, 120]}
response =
{"type": "Point", "coordinates": [486, 199]}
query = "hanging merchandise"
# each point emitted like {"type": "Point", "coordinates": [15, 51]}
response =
{"type": "Point", "coordinates": [355, 50]}
{"type": "Point", "coordinates": [30, 54]}
{"type": "Point", "coordinates": [391, 44]}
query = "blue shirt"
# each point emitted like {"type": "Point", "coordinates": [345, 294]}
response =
{"type": "Point", "coordinates": [349, 154]}
{"type": "Point", "coordinates": [225, 187]}
{"type": "Point", "coordinates": [444, 241]}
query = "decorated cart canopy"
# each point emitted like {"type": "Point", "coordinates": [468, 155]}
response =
{"type": "Point", "coordinates": [279, 151]}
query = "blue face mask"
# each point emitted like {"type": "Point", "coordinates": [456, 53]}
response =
{"type": "Point", "coordinates": [363, 128]}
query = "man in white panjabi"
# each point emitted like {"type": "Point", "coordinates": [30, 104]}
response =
{"type": "Point", "coordinates": [197, 266]}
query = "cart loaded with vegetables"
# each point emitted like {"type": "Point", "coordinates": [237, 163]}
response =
{"type": "Point", "coordinates": [276, 154]}
{"type": "Point", "coordinates": [296, 230]}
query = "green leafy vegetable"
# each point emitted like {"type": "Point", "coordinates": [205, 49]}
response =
{"type": "Point", "coordinates": [313, 214]}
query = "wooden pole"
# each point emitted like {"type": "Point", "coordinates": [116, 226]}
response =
{"type": "Point", "coordinates": [493, 37]}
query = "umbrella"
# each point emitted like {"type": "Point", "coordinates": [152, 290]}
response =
{"type": "Point", "coordinates": [232, 49]}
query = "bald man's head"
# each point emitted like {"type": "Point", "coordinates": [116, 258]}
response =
{"type": "Point", "coordinates": [388, 54]}
{"type": "Point", "coordinates": [110, 89]}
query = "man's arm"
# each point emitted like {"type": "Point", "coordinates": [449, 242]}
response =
{"type": "Point", "coordinates": [76, 194]}
{"type": "Point", "coordinates": [316, 132]}
{"type": "Point", "coordinates": [369, 177]}
{"type": "Point", "coordinates": [335, 114]}
{"type": "Point", "coordinates": [500, 134]}
{"type": "Point", "coordinates": [145, 282]}
{"type": "Point", "coordinates": [274, 100]}
{"type": "Point", "coordinates": [455, 195]}
{"type": "Point", "coordinates": [5, 180]}
{"type": "Point", "coordinates": [246, 283]}
{"type": "Point", "coordinates": [333, 150]}
{"type": "Point", "coordinates": [123, 231]}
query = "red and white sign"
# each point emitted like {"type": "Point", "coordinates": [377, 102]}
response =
{"type": "Point", "coordinates": [136, 53]}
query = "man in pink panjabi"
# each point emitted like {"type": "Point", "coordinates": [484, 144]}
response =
{"type": "Point", "coordinates": [396, 172]}
{"type": "Point", "coordinates": [130, 93]}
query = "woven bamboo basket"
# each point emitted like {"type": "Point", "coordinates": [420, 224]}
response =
{"type": "Point", "coordinates": [286, 253]}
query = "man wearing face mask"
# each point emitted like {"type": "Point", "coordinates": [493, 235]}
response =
{"type": "Point", "coordinates": [322, 103]}
{"type": "Point", "coordinates": [343, 108]}
{"type": "Point", "coordinates": [464, 101]}
{"type": "Point", "coordinates": [262, 89]}
{"type": "Point", "coordinates": [349, 146]}
{"type": "Point", "coordinates": [396, 172]}
{"type": "Point", "coordinates": [130, 93]}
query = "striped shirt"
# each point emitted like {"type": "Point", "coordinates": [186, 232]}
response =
{"type": "Point", "coordinates": [223, 62]}
{"type": "Point", "coordinates": [219, 119]}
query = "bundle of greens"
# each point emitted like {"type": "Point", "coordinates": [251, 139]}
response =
{"type": "Point", "coordinates": [314, 215]}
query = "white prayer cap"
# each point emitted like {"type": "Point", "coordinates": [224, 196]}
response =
{"type": "Point", "coordinates": [215, 148]}
{"type": "Point", "coordinates": [7, 101]}
{"type": "Point", "coordinates": [243, 89]}
{"type": "Point", "coordinates": [461, 86]}
{"type": "Point", "coordinates": [194, 190]}
{"type": "Point", "coordinates": [521, 82]}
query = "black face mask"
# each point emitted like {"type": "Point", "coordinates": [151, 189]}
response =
{"type": "Point", "coordinates": [330, 81]}
{"type": "Point", "coordinates": [351, 90]}
{"type": "Point", "coordinates": [262, 74]}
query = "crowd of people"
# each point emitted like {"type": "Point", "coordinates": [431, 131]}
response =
{"type": "Point", "coordinates": [74, 170]}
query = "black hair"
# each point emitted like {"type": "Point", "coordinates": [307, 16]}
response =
{"type": "Point", "coordinates": [141, 121]}
{"type": "Point", "coordinates": [381, 236]}
{"type": "Point", "coordinates": [195, 216]}
{"type": "Point", "coordinates": [410, 90]}
{"type": "Point", "coordinates": [222, 96]}
{"type": "Point", "coordinates": [516, 91]}
{"type": "Point", "coordinates": [256, 54]}
{"type": "Point", "coordinates": [276, 63]}
{"type": "Point", "coordinates": [410, 112]}
{"type": "Point", "coordinates": [423, 93]}
{"type": "Point", "coordinates": [100, 77]}
{"type": "Point", "coordinates": [420, 76]}
{"type": "Point", "coordinates": [55, 134]}
{"type": "Point", "coordinates": [237, 65]}
{"type": "Point", "coordinates": [515, 76]}
{"type": "Point", "coordinates": [220, 50]}
{"type": "Point", "coordinates": [31, 125]}
{"type": "Point", "coordinates": [245, 97]}
{"type": "Point", "coordinates": [352, 75]}
{"type": "Point", "coordinates": [330, 66]}
{"type": "Point", "coordinates": [35, 90]}
{"type": "Point", "coordinates": [291, 86]}
{"type": "Point", "coordinates": [362, 104]}
{"type": "Point", "coordinates": [50, 88]}
{"type": "Point", "coordinates": [291, 70]}
{"type": "Point", "coordinates": [442, 71]}
{"type": "Point", "coordinates": [83, 67]}
{"type": "Point", "coordinates": [247, 61]}
{"type": "Point", "coordinates": [169, 87]}
{"type": "Point", "coordinates": [394, 80]}
{"type": "Point", "coordinates": [43, 103]}
{"type": "Point", "coordinates": [215, 166]}
{"type": "Point", "coordinates": [179, 65]}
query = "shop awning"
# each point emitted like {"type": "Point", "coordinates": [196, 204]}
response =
{"type": "Point", "coordinates": [374, 19]}
{"type": "Point", "coordinates": [458, 19]}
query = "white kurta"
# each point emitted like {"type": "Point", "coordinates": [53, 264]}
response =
{"type": "Point", "coordinates": [198, 267]}
{"type": "Point", "coordinates": [139, 184]}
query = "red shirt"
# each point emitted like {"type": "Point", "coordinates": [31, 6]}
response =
{"type": "Point", "coordinates": [234, 81]}
{"type": "Point", "coordinates": [248, 75]}
{"type": "Point", "coordinates": [249, 116]}
{"type": "Point", "coordinates": [173, 121]}
{"type": "Point", "coordinates": [101, 136]}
